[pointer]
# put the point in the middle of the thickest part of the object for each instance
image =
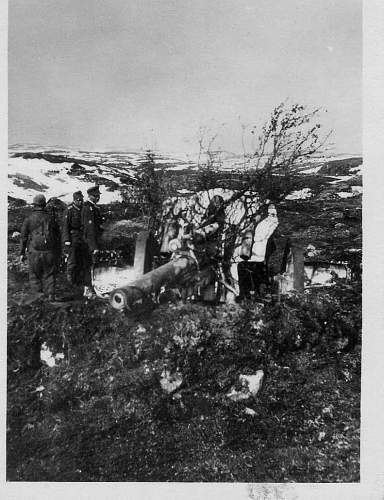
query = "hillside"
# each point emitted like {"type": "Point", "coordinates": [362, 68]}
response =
{"type": "Point", "coordinates": [58, 173]}
{"type": "Point", "coordinates": [94, 395]}
{"type": "Point", "coordinates": [324, 210]}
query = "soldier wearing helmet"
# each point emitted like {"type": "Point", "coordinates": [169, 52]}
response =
{"type": "Point", "coordinates": [74, 245]}
{"type": "Point", "coordinates": [40, 236]}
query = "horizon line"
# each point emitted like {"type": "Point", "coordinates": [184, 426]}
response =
{"type": "Point", "coordinates": [154, 150]}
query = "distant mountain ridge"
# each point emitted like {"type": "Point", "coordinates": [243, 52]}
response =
{"type": "Point", "coordinates": [58, 172]}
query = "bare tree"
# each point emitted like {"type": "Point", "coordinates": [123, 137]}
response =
{"type": "Point", "coordinates": [269, 171]}
{"type": "Point", "coordinates": [266, 174]}
{"type": "Point", "coordinates": [290, 136]}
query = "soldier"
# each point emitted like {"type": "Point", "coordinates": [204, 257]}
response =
{"type": "Point", "coordinates": [212, 229]}
{"type": "Point", "coordinates": [210, 247]}
{"type": "Point", "coordinates": [252, 266]}
{"type": "Point", "coordinates": [91, 223]}
{"type": "Point", "coordinates": [41, 236]}
{"type": "Point", "coordinates": [74, 245]}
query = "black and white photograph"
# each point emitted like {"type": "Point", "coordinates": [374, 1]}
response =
{"type": "Point", "coordinates": [184, 249]}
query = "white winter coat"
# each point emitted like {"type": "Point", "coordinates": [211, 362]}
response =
{"type": "Point", "coordinates": [263, 232]}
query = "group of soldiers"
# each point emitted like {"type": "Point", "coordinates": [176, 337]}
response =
{"type": "Point", "coordinates": [79, 238]}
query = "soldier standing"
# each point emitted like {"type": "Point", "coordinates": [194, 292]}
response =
{"type": "Point", "coordinates": [210, 252]}
{"type": "Point", "coordinates": [91, 223]}
{"type": "Point", "coordinates": [40, 234]}
{"type": "Point", "coordinates": [252, 266]}
{"type": "Point", "coordinates": [74, 245]}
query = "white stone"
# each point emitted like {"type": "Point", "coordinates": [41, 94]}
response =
{"type": "Point", "coordinates": [249, 411]}
{"type": "Point", "coordinates": [47, 356]}
{"type": "Point", "coordinates": [170, 382]}
{"type": "Point", "coordinates": [238, 395]}
{"type": "Point", "coordinates": [254, 381]}
{"type": "Point", "coordinates": [251, 385]}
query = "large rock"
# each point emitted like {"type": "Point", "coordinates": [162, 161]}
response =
{"type": "Point", "coordinates": [253, 382]}
{"type": "Point", "coordinates": [48, 357]}
{"type": "Point", "coordinates": [250, 386]}
{"type": "Point", "coordinates": [15, 236]}
{"type": "Point", "coordinates": [170, 381]}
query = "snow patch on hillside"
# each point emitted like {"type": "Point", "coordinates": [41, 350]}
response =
{"type": "Point", "coordinates": [27, 177]}
{"type": "Point", "coordinates": [301, 194]}
{"type": "Point", "coordinates": [30, 177]}
{"type": "Point", "coordinates": [311, 170]}
{"type": "Point", "coordinates": [356, 170]}
{"type": "Point", "coordinates": [341, 178]}
{"type": "Point", "coordinates": [348, 194]}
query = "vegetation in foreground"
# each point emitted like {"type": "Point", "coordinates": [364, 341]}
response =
{"type": "Point", "coordinates": [100, 414]}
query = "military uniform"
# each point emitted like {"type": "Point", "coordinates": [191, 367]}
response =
{"type": "Point", "coordinates": [91, 224]}
{"type": "Point", "coordinates": [78, 252]}
{"type": "Point", "coordinates": [211, 251]}
{"type": "Point", "coordinates": [42, 262]}
{"type": "Point", "coordinates": [253, 272]}
{"type": "Point", "coordinates": [212, 229]}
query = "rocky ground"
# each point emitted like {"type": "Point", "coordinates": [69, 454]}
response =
{"type": "Point", "coordinates": [145, 398]}
{"type": "Point", "coordinates": [101, 413]}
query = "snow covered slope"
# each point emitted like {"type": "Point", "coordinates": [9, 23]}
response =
{"type": "Point", "coordinates": [58, 172]}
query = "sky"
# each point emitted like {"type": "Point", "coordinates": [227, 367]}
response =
{"type": "Point", "coordinates": [130, 74]}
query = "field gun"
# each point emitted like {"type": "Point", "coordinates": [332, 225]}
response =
{"type": "Point", "coordinates": [129, 287]}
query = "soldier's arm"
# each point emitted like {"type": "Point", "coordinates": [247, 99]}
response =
{"type": "Point", "coordinates": [24, 236]}
{"type": "Point", "coordinates": [102, 221]}
{"type": "Point", "coordinates": [56, 233]}
{"type": "Point", "coordinates": [89, 228]}
{"type": "Point", "coordinates": [66, 233]}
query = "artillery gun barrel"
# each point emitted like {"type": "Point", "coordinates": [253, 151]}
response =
{"type": "Point", "coordinates": [171, 273]}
